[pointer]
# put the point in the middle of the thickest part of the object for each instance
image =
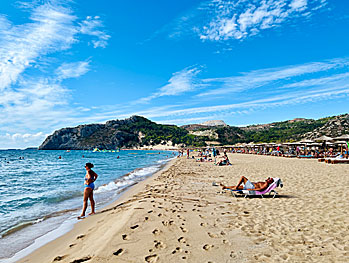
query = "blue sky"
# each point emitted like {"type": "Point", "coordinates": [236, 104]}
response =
{"type": "Point", "coordinates": [65, 63]}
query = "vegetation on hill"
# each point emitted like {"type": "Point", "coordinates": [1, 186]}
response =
{"type": "Point", "coordinates": [133, 132]}
{"type": "Point", "coordinates": [153, 133]}
{"type": "Point", "coordinates": [283, 131]}
{"type": "Point", "coordinates": [138, 131]}
{"type": "Point", "coordinates": [286, 131]}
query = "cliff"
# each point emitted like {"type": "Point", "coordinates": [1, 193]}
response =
{"type": "Point", "coordinates": [136, 131]}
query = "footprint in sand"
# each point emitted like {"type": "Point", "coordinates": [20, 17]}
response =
{"type": "Point", "coordinates": [81, 259]}
{"type": "Point", "coordinates": [134, 227]}
{"type": "Point", "coordinates": [181, 240]}
{"type": "Point", "coordinates": [124, 237]}
{"type": "Point", "coordinates": [71, 245]}
{"type": "Point", "coordinates": [80, 237]}
{"type": "Point", "coordinates": [207, 247]}
{"type": "Point", "coordinates": [156, 231]}
{"type": "Point", "coordinates": [151, 258]}
{"type": "Point", "coordinates": [212, 235]}
{"type": "Point", "coordinates": [118, 252]}
{"type": "Point", "coordinates": [59, 258]}
{"type": "Point", "coordinates": [167, 223]}
{"type": "Point", "coordinates": [177, 250]}
{"type": "Point", "coordinates": [159, 244]}
{"type": "Point", "coordinates": [225, 242]}
{"type": "Point", "coordinates": [184, 230]}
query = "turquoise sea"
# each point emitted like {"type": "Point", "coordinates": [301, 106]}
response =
{"type": "Point", "coordinates": [41, 191]}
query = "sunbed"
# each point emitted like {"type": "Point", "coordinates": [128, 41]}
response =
{"type": "Point", "coordinates": [334, 161]}
{"type": "Point", "coordinates": [271, 190]}
{"type": "Point", "coordinates": [305, 156]}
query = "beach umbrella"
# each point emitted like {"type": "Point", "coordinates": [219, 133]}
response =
{"type": "Point", "coordinates": [323, 138]}
{"type": "Point", "coordinates": [306, 141]}
{"type": "Point", "coordinates": [341, 144]}
{"type": "Point", "coordinates": [344, 137]}
{"type": "Point", "coordinates": [315, 144]}
{"type": "Point", "coordinates": [294, 143]}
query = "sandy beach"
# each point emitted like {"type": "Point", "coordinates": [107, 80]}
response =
{"type": "Point", "coordinates": [178, 216]}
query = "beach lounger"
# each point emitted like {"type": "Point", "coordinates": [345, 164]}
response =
{"type": "Point", "coordinates": [271, 190]}
{"type": "Point", "coordinates": [305, 156]}
{"type": "Point", "coordinates": [335, 161]}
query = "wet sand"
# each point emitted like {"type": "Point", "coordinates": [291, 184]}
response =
{"type": "Point", "coordinates": [178, 216]}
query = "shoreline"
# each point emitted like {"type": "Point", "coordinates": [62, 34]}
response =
{"type": "Point", "coordinates": [178, 215]}
{"type": "Point", "coordinates": [45, 229]}
{"type": "Point", "coordinates": [124, 194]}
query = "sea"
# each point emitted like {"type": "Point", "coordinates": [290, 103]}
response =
{"type": "Point", "coordinates": [41, 191]}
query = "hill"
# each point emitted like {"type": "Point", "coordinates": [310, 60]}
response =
{"type": "Point", "coordinates": [286, 131]}
{"type": "Point", "coordinates": [136, 131]}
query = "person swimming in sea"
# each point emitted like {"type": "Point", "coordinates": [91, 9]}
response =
{"type": "Point", "coordinates": [90, 178]}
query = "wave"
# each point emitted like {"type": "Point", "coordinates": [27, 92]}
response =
{"type": "Point", "coordinates": [21, 225]}
{"type": "Point", "coordinates": [129, 179]}
{"type": "Point", "coordinates": [16, 228]}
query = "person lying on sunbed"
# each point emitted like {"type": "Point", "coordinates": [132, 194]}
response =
{"type": "Point", "coordinates": [248, 185]}
{"type": "Point", "coordinates": [224, 161]}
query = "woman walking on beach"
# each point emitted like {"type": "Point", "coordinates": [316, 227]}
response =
{"type": "Point", "coordinates": [90, 177]}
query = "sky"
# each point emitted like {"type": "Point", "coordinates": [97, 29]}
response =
{"type": "Point", "coordinates": [69, 62]}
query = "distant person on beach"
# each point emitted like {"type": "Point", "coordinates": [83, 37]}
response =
{"type": "Point", "coordinates": [224, 161]}
{"type": "Point", "coordinates": [90, 177]}
{"type": "Point", "coordinates": [188, 153]}
{"type": "Point", "coordinates": [248, 185]}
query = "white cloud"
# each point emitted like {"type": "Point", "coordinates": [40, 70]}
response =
{"type": "Point", "coordinates": [274, 87]}
{"type": "Point", "coordinates": [180, 82]}
{"type": "Point", "coordinates": [299, 4]}
{"type": "Point", "coordinates": [276, 101]}
{"type": "Point", "coordinates": [51, 30]}
{"type": "Point", "coordinates": [241, 19]}
{"type": "Point", "coordinates": [92, 26]}
{"type": "Point", "coordinates": [33, 96]}
{"type": "Point", "coordinates": [72, 70]}
{"type": "Point", "coordinates": [21, 140]}
{"type": "Point", "coordinates": [260, 78]}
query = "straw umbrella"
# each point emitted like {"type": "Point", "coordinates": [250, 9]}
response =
{"type": "Point", "coordinates": [344, 137]}
{"type": "Point", "coordinates": [341, 144]}
{"type": "Point", "coordinates": [305, 142]}
{"type": "Point", "coordinates": [325, 139]}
